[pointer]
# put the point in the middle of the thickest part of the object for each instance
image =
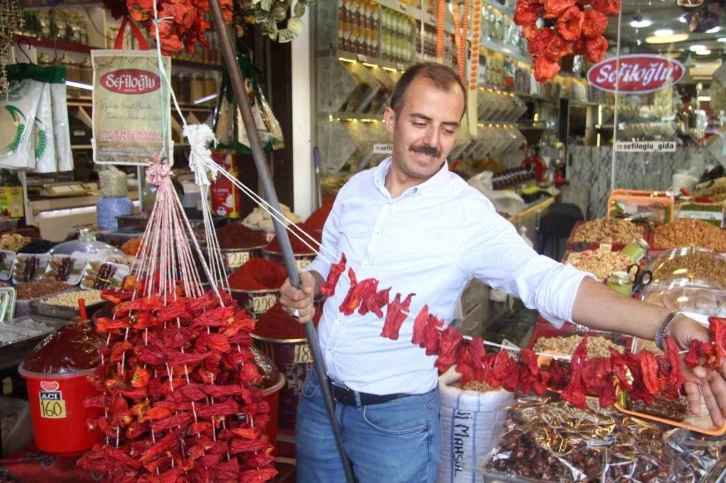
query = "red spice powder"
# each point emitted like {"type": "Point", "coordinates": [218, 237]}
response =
{"type": "Point", "coordinates": [278, 324]}
{"type": "Point", "coordinates": [236, 235]}
{"type": "Point", "coordinates": [258, 274]}
{"type": "Point", "coordinates": [316, 221]}
{"type": "Point", "coordinates": [298, 247]}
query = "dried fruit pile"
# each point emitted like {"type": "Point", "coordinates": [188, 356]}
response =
{"type": "Point", "coordinates": [650, 375]}
{"type": "Point", "coordinates": [181, 390]}
{"type": "Point", "coordinates": [578, 28]}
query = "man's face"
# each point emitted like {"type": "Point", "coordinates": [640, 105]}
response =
{"type": "Point", "coordinates": [425, 130]}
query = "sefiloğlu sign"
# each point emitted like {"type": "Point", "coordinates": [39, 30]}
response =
{"type": "Point", "coordinates": [638, 73]}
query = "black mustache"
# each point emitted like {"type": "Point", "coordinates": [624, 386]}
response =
{"type": "Point", "coordinates": [427, 151]}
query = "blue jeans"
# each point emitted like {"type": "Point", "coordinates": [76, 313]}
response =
{"type": "Point", "coordinates": [395, 442]}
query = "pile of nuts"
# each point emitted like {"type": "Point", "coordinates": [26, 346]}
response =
{"type": "Point", "coordinates": [694, 265]}
{"type": "Point", "coordinates": [70, 299]}
{"type": "Point", "coordinates": [13, 241]}
{"type": "Point", "coordinates": [685, 232]}
{"type": "Point", "coordinates": [600, 263]}
{"type": "Point", "coordinates": [34, 290]}
{"type": "Point", "coordinates": [596, 346]}
{"type": "Point", "coordinates": [476, 386]}
{"type": "Point", "coordinates": [608, 230]}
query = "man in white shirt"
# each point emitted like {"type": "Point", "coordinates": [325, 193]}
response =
{"type": "Point", "coordinates": [418, 228]}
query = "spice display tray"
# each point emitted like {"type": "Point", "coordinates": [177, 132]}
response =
{"type": "Point", "coordinates": [22, 307]}
{"type": "Point", "coordinates": [13, 353]}
{"type": "Point", "coordinates": [616, 247]}
{"type": "Point", "coordinates": [38, 307]}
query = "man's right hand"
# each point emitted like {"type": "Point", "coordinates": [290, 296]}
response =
{"type": "Point", "coordinates": [301, 300]}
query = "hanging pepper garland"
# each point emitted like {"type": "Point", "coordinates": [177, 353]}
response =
{"type": "Point", "coordinates": [577, 27]}
{"type": "Point", "coordinates": [650, 375]}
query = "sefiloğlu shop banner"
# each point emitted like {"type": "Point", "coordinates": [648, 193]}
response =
{"type": "Point", "coordinates": [637, 73]}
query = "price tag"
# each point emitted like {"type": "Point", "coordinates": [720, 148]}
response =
{"type": "Point", "coordinates": [263, 303]}
{"type": "Point", "coordinates": [237, 259]}
{"type": "Point", "coordinates": [301, 264]}
{"type": "Point", "coordinates": [302, 355]}
{"type": "Point", "coordinates": [606, 247]}
{"type": "Point", "coordinates": [269, 236]}
{"type": "Point", "coordinates": [52, 405]}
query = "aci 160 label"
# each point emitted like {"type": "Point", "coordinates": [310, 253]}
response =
{"type": "Point", "coordinates": [52, 405]}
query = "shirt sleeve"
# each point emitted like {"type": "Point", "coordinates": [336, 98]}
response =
{"type": "Point", "coordinates": [331, 233]}
{"type": "Point", "coordinates": [491, 250]}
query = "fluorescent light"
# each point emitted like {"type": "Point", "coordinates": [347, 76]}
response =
{"type": "Point", "coordinates": [666, 40]}
{"type": "Point", "coordinates": [713, 30]}
{"type": "Point", "coordinates": [704, 98]}
{"type": "Point", "coordinates": [663, 33]}
{"type": "Point", "coordinates": [205, 99]}
{"type": "Point", "coordinates": [721, 39]}
{"type": "Point", "coordinates": [78, 85]}
{"type": "Point", "coordinates": [641, 24]}
{"type": "Point", "coordinates": [703, 52]}
{"type": "Point", "coordinates": [682, 19]}
{"type": "Point", "coordinates": [697, 47]}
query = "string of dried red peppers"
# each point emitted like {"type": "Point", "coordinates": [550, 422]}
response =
{"type": "Point", "coordinates": [650, 375]}
{"type": "Point", "coordinates": [577, 27]}
{"type": "Point", "coordinates": [182, 392]}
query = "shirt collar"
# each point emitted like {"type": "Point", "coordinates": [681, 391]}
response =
{"type": "Point", "coordinates": [437, 180]}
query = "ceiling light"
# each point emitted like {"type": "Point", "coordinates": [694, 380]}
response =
{"type": "Point", "coordinates": [641, 24]}
{"type": "Point", "coordinates": [682, 19]}
{"type": "Point", "coordinates": [703, 52]}
{"type": "Point", "coordinates": [663, 33]}
{"type": "Point", "coordinates": [704, 98]}
{"type": "Point", "coordinates": [721, 39]}
{"type": "Point", "coordinates": [713, 30]}
{"type": "Point", "coordinates": [697, 47]}
{"type": "Point", "coordinates": [667, 40]}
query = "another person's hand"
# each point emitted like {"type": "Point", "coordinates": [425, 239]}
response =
{"type": "Point", "coordinates": [301, 300]}
{"type": "Point", "coordinates": [700, 381]}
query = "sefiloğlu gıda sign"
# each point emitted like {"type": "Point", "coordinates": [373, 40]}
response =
{"type": "Point", "coordinates": [638, 73]}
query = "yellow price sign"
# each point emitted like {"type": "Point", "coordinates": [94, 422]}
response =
{"type": "Point", "coordinates": [301, 264]}
{"type": "Point", "coordinates": [52, 405]}
{"type": "Point", "coordinates": [303, 354]}
{"type": "Point", "coordinates": [263, 303]}
{"type": "Point", "coordinates": [606, 247]}
{"type": "Point", "coordinates": [237, 259]}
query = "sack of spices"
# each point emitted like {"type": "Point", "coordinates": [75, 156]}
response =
{"type": "Point", "coordinates": [471, 422]}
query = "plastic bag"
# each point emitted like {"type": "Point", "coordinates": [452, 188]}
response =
{"type": "Point", "coordinates": [17, 112]}
{"type": "Point", "coordinates": [61, 125]}
{"type": "Point", "coordinates": [43, 137]}
{"type": "Point", "coordinates": [695, 458]}
{"type": "Point", "coordinates": [558, 442]}
{"type": "Point", "coordinates": [228, 126]}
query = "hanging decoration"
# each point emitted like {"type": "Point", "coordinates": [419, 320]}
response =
{"type": "Point", "coordinates": [572, 26]}
{"type": "Point", "coordinates": [472, 110]}
{"type": "Point", "coordinates": [268, 14]}
{"type": "Point", "coordinates": [440, 20]}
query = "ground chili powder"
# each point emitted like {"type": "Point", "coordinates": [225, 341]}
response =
{"type": "Point", "coordinates": [298, 247]}
{"type": "Point", "coordinates": [258, 274]}
{"type": "Point", "coordinates": [236, 235]}
{"type": "Point", "coordinates": [278, 324]}
{"type": "Point", "coordinates": [316, 221]}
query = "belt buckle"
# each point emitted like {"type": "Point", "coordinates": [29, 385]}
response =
{"type": "Point", "coordinates": [347, 396]}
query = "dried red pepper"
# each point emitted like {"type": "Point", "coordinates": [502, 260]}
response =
{"type": "Point", "coordinates": [649, 368]}
{"type": "Point", "coordinates": [448, 348]}
{"type": "Point", "coordinates": [336, 269]}
{"type": "Point", "coordinates": [432, 335]}
{"type": "Point", "coordinates": [419, 326]}
{"type": "Point", "coordinates": [594, 25]}
{"type": "Point", "coordinates": [570, 23]}
{"type": "Point", "coordinates": [595, 48]}
{"type": "Point", "coordinates": [375, 303]}
{"type": "Point", "coordinates": [395, 315]}
{"type": "Point", "coordinates": [554, 9]}
{"type": "Point", "coordinates": [608, 7]}
{"type": "Point", "coordinates": [358, 292]}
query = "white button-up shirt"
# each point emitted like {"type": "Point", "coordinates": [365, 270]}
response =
{"type": "Point", "coordinates": [431, 241]}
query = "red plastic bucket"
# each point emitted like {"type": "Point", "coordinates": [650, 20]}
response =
{"type": "Point", "coordinates": [272, 397]}
{"type": "Point", "coordinates": [57, 412]}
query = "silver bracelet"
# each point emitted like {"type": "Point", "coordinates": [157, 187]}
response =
{"type": "Point", "coordinates": [663, 327]}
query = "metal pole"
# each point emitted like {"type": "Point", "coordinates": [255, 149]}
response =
{"type": "Point", "coordinates": [268, 189]}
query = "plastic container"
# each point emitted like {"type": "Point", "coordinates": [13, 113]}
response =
{"type": "Point", "coordinates": [697, 301]}
{"type": "Point", "coordinates": [625, 203]}
{"type": "Point", "coordinates": [57, 411]}
{"type": "Point", "coordinates": [697, 265]}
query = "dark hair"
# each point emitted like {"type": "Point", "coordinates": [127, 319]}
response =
{"type": "Point", "coordinates": [445, 78]}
